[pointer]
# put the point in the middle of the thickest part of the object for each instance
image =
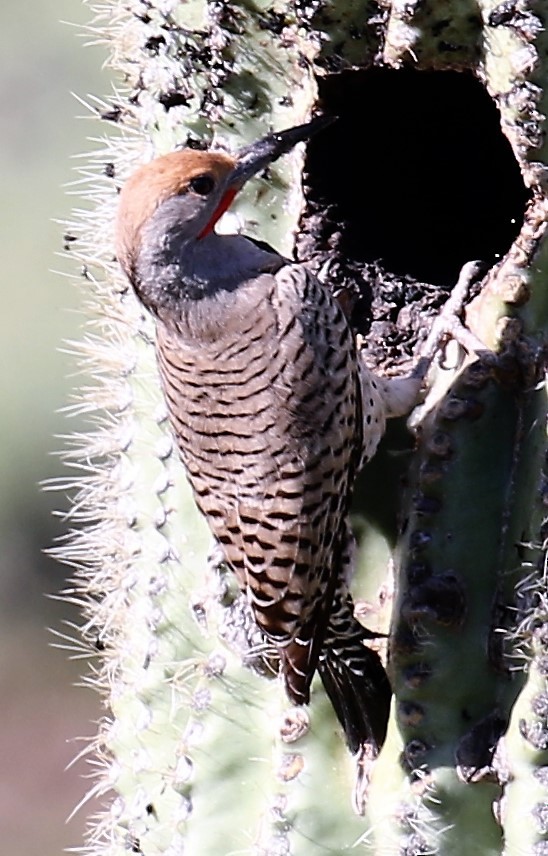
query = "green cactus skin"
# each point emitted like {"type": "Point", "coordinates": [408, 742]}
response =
{"type": "Point", "coordinates": [193, 754]}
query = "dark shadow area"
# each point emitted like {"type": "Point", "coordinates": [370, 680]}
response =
{"type": "Point", "coordinates": [416, 174]}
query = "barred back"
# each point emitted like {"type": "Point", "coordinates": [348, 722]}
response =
{"type": "Point", "coordinates": [265, 401]}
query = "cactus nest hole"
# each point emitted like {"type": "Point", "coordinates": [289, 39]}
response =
{"type": "Point", "coordinates": [415, 179]}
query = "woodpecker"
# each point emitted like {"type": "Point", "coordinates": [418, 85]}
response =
{"type": "Point", "coordinates": [272, 410]}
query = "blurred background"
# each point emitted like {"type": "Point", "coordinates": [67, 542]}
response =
{"type": "Point", "coordinates": [42, 712]}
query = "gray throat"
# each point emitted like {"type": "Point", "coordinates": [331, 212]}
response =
{"type": "Point", "coordinates": [172, 269]}
{"type": "Point", "coordinates": [201, 288]}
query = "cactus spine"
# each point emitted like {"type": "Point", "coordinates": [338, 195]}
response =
{"type": "Point", "coordinates": [190, 744]}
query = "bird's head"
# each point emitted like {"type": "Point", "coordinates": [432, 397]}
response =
{"type": "Point", "coordinates": [183, 194]}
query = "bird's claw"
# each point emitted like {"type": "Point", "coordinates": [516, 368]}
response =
{"type": "Point", "coordinates": [365, 759]}
{"type": "Point", "coordinates": [449, 325]}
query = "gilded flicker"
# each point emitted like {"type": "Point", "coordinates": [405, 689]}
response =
{"type": "Point", "coordinates": [272, 412]}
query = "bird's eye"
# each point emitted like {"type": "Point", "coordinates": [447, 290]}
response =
{"type": "Point", "coordinates": [202, 184]}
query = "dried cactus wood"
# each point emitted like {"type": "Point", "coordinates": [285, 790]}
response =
{"type": "Point", "coordinates": [193, 754]}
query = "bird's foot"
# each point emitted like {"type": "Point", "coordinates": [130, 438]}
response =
{"type": "Point", "coordinates": [365, 759]}
{"type": "Point", "coordinates": [449, 325]}
{"type": "Point", "coordinates": [402, 394]}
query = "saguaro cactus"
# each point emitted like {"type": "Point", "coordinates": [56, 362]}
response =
{"type": "Point", "coordinates": [439, 157]}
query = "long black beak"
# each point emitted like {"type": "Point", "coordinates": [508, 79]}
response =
{"type": "Point", "coordinates": [252, 159]}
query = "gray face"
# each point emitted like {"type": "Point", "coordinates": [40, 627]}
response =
{"type": "Point", "coordinates": [168, 237]}
{"type": "Point", "coordinates": [190, 211]}
{"type": "Point", "coordinates": [175, 266]}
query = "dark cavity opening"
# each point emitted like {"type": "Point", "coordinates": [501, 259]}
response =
{"type": "Point", "coordinates": [416, 174]}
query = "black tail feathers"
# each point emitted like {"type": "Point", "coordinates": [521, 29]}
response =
{"type": "Point", "coordinates": [354, 678]}
{"type": "Point", "coordinates": [352, 674]}
{"type": "Point", "coordinates": [360, 696]}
